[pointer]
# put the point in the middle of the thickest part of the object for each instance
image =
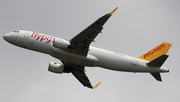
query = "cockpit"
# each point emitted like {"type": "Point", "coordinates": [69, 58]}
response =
{"type": "Point", "coordinates": [16, 31]}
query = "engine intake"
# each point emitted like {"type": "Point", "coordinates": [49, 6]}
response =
{"type": "Point", "coordinates": [61, 43]}
{"type": "Point", "coordinates": [56, 67]}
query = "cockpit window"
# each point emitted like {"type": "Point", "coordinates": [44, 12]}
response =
{"type": "Point", "coordinates": [16, 31]}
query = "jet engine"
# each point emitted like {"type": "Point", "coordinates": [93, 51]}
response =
{"type": "Point", "coordinates": [56, 67]}
{"type": "Point", "coordinates": [61, 43]}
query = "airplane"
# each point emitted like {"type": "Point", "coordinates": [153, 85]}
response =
{"type": "Point", "coordinates": [75, 54]}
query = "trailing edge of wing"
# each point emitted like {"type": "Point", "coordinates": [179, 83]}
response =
{"type": "Point", "coordinates": [79, 73]}
{"type": "Point", "coordinates": [81, 76]}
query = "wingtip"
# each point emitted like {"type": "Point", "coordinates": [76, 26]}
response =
{"type": "Point", "coordinates": [95, 86]}
{"type": "Point", "coordinates": [113, 10]}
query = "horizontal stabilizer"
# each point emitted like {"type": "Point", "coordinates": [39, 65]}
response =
{"type": "Point", "coordinates": [157, 76]}
{"type": "Point", "coordinates": [158, 62]}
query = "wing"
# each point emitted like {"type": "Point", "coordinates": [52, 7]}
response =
{"type": "Point", "coordinates": [82, 41]}
{"type": "Point", "coordinates": [79, 73]}
{"type": "Point", "coordinates": [80, 44]}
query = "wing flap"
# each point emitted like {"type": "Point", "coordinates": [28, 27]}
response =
{"type": "Point", "coordinates": [81, 76]}
{"type": "Point", "coordinates": [79, 73]}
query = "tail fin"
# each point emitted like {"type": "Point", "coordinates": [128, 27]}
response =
{"type": "Point", "coordinates": [156, 52]}
{"type": "Point", "coordinates": [156, 57]}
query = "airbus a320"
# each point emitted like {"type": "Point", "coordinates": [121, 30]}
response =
{"type": "Point", "coordinates": [75, 54]}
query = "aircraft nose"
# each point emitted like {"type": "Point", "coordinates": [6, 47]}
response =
{"type": "Point", "coordinates": [6, 36]}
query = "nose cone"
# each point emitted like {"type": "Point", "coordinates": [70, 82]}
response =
{"type": "Point", "coordinates": [7, 37]}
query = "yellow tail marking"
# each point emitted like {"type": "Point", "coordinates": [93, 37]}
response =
{"type": "Point", "coordinates": [113, 10]}
{"type": "Point", "coordinates": [156, 52]}
{"type": "Point", "coordinates": [95, 86]}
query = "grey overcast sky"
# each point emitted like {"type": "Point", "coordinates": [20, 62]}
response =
{"type": "Point", "coordinates": [136, 27]}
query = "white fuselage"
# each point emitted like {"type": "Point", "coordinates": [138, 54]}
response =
{"type": "Point", "coordinates": [95, 57]}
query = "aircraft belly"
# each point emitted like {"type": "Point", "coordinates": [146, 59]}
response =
{"type": "Point", "coordinates": [112, 62]}
{"type": "Point", "coordinates": [116, 64]}
{"type": "Point", "coordinates": [73, 58]}
{"type": "Point", "coordinates": [123, 63]}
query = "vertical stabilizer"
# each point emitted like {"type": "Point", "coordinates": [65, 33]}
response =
{"type": "Point", "coordinates": [156, 52]}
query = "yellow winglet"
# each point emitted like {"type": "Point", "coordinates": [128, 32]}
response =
{"type": "Point", "coordinates": [95, 86]}
{"type": "Point", "coordinates": [113, 11]}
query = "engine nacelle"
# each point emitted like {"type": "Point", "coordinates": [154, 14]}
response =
{"type": "Point", "coordinates": [56, 67]}
{"type": "Point", "coordinates": [61, 43]}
